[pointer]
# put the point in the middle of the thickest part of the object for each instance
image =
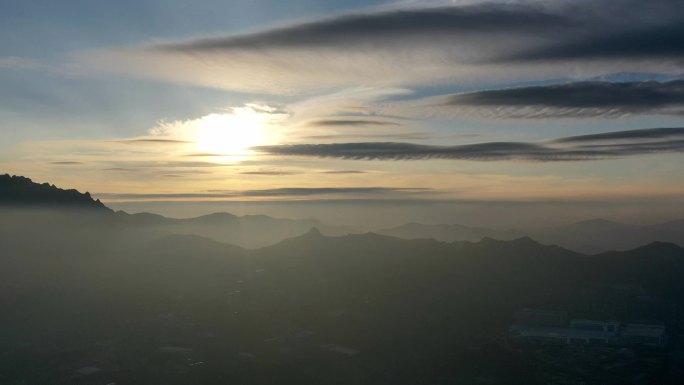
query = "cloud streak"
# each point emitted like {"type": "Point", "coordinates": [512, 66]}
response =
{"type": "Point", "coordinates": [577, 99]}
{"type": "Point", "coordinates": [389, 26]}
{"type": "Point", "coordinates": [277, 192]}
{"type": "Point", "coordinates": [342, 172]}
{"type": "Point", "coordinates": [663, 42]}
{"type": "Point", "coordinates": [397, 135]}
{"type": "Point", "coordinates": [488, 41]}
{"type": "Point", "coordinates": [268, 173]}
{"type": "Point", "coordinates": [352, 122]}
{"type": "Point", "coordinates": [575, 148]}
{"type": "Point", "coordinates": [153, 141]}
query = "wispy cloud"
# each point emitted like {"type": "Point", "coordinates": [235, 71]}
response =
{"type": "Point", "coordinates": [587, 147]}
{"type": "Point", "coordinates": [337, 122]}
{"type": "Point", "coordinates": [390, 26]}
{"type": "Point", "coordinates": [649, 43]}
{"type": "Point", "coordinates": [153, 141]}
{"type": "Point", "coordinates": [419, 44]}
{"type": "Point", "coordinates": [344, 172]}
{"type": "Point", "coordinates": [122, 169]}
{"type": "Point", "coordinates": [397, 135]}
{"type": "Point", "coordinates": [21, 63]}
{"type": "Point", "coordinates": [277, 192]}
{"type": "Point", "coordinates": [268, 173]}
{"type": "Point", "coordinates": [178, 164]}
{"type": "Point", "coordinates": [647, 135]}
{"type": "Point", "coordinates": [147, 165]}
{"type": "Point", "coordinates": [67, 163]}
{"type": "Point", "coordinates": [571, 100]}
{"type": "Point", "coordinates": [302, 191]}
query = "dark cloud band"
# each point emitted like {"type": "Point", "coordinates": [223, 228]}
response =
{"type": "Point", "coordinates": [659, 42]}
{"type": "Point", "coordinates": [391, 26]}
{"type": "Point", "coordinates": [352, 122]}
{"type": "Point", "coordinates": [577, 99]}
{"type": "Point", "coordinates": [413, 45]}
{"type": "Point", "coordinates": [579, 30]}
{"type": "Point", "coordinates": [663, 134]}
{"type": "Point", "coordinates": [587, 147]}
{"type": "Point", "coordinates": [390, 136]}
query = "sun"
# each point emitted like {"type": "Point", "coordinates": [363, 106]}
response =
{"type": "Point", "coordinates": [230, 135]}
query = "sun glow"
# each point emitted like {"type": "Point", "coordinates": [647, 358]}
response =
{"type": "Point", "coordinates": [226, 136]}
{"type": "Point", "coordinates": [230, 135]}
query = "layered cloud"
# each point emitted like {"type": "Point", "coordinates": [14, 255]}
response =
{"type": "Point", "coordinates": [277, 192]}
{"type": "Point", "coordinates": [652, 42]}
{"type": "Point", "coordinates": [471, 43]}
{"type": "Point", "coordinates": [571, 100]}
{"type": "Point", "coordinates": [389, 26]}
{"type": "Point", "coordinates": [575, 148]}
{"type": "Point", "coordinates": [352, 122]}
{"type": "Point", "coordinates": [385, 136]}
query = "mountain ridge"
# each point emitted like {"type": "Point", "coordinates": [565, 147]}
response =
{"type": "Point", "coordinates": [590, 236]}
{"type": "Point", "coordinates": [20, 191]}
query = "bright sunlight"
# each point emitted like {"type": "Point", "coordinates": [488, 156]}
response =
{"type": "Point", "coordinates": [228, 135]}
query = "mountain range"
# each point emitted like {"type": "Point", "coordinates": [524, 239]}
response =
{"type": "Point", "coordinates": [110, 298]}
{"type": "Point", "coordinates": [589, 237]}
{"type": "Point", "coordinates": [247, 231]}
{"type": "Point", "coordinates": [253, 231]}
{"type": "Point", "coordinates": [449, 233]}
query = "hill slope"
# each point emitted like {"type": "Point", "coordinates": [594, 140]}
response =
{"type": "Point", "coordinates": [19, 191]}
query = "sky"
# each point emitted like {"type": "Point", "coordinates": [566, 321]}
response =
{"type": "Point", "coordinates": [495, 113]}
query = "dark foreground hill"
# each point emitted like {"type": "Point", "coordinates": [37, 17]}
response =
{"type": "Point", "coordinates": [19, 196]}
{"type": "Point", "coordinates": [18, 191]}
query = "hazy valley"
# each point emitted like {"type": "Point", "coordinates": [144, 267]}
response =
{"type": "Point", "coordinates": [91, 296]}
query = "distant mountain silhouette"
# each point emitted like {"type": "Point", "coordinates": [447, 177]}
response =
{"type": "Point", "coordinates": [589, 237]}
{"type": "Point", "coordinates": [594, 225]}
{"type": "Point", "coordinates": [253, 231]}
{"type": "Point", "coordinates": [599, 235]}
{"type": "Point", "coordinates": [449, 233]}
{"type": "Point", "coordinates": [20, 191]}
{"type": "Point", "coordinates": [247, 231]}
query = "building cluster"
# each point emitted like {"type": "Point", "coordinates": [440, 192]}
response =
{"type": "Point", "coordinates": [555, 327]}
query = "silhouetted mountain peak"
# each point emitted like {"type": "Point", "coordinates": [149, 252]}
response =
{"type": "Point", "coordinates": [518, 241]}
{"type": "Point", "coordinates": [525, 241]}
{"type": "Point", "coordinates": [314, 232]}
{"type": "Point", "coordinates": [516, 245]}
{"type": "Point", "coordinates": [659, 247]}
{"type": "Point", "coordinates": [21, 192]}
{"type": "Point", "coordinates": [448, 232]}
{"type": "Point", "coordinates": [216, 217]}
{"type": "Point", "coordinates": [597, 224]}
{"type": "Point", "coordinates": [141, 218]}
